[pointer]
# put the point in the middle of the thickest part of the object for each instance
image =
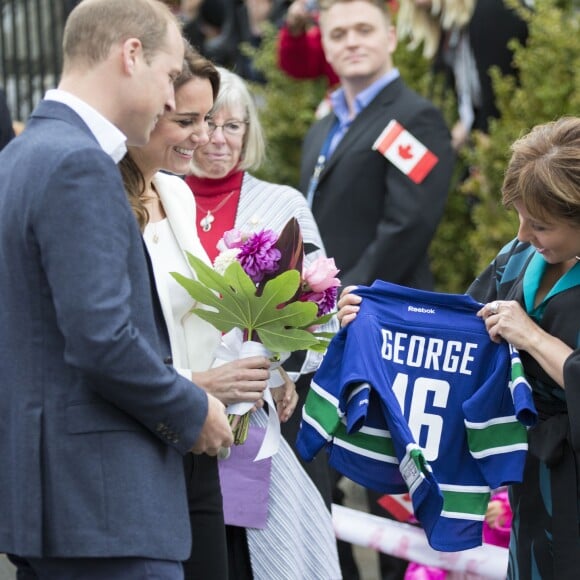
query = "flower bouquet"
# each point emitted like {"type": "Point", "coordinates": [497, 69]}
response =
{"type": "Point", "coordinates": [259, 286]}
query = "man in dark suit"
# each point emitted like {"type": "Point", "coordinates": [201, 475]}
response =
{"type": "Point", "coordinates": [93, 418]}
{"type": "Point", "coordinates": [375, 220]}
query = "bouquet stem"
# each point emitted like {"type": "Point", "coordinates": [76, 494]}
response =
{"type": "Point", "coordinates": [240, 430]}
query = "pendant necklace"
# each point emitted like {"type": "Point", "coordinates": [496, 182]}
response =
{"type": "Point", "coordinates": [155, 233]}
{"type": "Point", "coordinates": [150, 200]}
{"type": "Point", "coordinates": [206, 221]}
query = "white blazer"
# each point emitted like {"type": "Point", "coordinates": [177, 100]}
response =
{"type": "Point", "coordinates": [192, 350]}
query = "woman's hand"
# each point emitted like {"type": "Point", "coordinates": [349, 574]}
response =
{"type": "Point", "coordinates": [496, 514]}
{"type": "Point", "coordinates": [285, 397]}
{"type": "Point", "coordinates": [239, 381]}
{"type": "Point", "coordinates": [348, 305]}
{"type": "Point", "coordinates": [298, 17]}
{"type": "Point", "coordinates": [507, 320]}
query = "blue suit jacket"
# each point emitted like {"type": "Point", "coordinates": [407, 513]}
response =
{"type": "Point", "coordinates": [92, 421]}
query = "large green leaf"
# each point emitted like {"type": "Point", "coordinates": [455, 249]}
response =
{"type": "Point", "coordinates": [280, 339]}
{"type": "Point", "coordinates": [235, 304]}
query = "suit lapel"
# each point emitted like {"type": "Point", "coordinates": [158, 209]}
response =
{"type": "Point", "coordinates": [369, 121]}
{"type": "Point", "coordinates": [182, 218]}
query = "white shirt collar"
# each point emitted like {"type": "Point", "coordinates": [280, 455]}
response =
{"type": "Point", "coordinates": [109, 137]}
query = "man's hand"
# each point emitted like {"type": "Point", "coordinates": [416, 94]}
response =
{"type": "Point", "coordinates": [216, 432]}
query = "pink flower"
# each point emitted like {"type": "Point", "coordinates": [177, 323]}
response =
{"type": "Point", "coordinates": [231, 239]}
{"type": "Point", "coordinates": [320, 275]}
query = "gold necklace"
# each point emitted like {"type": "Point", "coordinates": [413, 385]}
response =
{"type": "Point", "coordinates": [208, 219]}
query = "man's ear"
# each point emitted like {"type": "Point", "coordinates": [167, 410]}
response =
{"type": "Point", "coordinates": [131, 52]}
{"type": "Point", "coordinates": [393, 40]}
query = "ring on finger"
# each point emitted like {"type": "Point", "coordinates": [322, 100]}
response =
{"type": "Point", "coordinates": [494, 307]}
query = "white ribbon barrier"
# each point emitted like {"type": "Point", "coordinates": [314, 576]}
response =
{"type": "Point", "coordinates": [234, 347]}
{"type": "Point", "coordinates": [410, 543]}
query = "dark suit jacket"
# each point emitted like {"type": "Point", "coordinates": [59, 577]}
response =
{"type": "Point", "coordinates": [93, 424]}
{"type": "Point", "coordinates": [374, 221]}
{"type": "Point", "coordinates": [492, 50]}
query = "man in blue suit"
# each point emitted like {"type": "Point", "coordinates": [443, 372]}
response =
{"type": "Point", "coordinates": [94, 420]}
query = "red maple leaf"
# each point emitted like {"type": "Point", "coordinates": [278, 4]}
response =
{"type": "Point", "coordinates": [405, 152]}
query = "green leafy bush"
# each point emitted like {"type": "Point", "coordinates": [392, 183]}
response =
{"type": "Point", "coordinates": [549, 87]}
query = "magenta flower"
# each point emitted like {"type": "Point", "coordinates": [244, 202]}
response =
{"type": "Point", "coordinates": [325, 300]}
{"type": "Point", "coordinates": [258, 256]}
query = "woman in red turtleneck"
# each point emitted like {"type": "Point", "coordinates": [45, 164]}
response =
{"type": "Point", "coordinates": [227, 196]}
{"type": "Point", "coordinates": [217, 198]}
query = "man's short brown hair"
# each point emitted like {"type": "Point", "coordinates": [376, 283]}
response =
{"type": "Point", "coordinates": [326, 4]}
{"type": "Point", "coordinates": [94, 26]}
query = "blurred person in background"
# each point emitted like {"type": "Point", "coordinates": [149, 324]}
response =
{"type": "Point", "coordinates": [6, 127]}
{"type": "Point", "coordinates": [203, 21]}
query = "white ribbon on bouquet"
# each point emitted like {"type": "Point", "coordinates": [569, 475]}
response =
{"type": "Point", "coordinates": [234, 347]}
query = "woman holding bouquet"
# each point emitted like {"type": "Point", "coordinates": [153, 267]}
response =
{"type": "Point", "coordinates": [166, 211]}
{"type": "Point", "coordinates": [153, 196]}
{"type": "Point", "coordinates": [227, 196]}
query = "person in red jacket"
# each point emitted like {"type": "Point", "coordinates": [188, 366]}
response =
{"type": "Point", "coordinates": [300, 53]}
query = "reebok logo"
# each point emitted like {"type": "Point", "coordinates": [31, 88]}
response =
{"type": "Point", "coordinates": [421, 310]}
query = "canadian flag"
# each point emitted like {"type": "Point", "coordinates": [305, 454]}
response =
{"type": "Point", "coordinates": [405, 152]}
{"type": "Point", "coordinates": [399, 505]}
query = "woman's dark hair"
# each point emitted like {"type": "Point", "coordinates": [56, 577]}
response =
{"type": "Point", "coordinates": [194, 66]}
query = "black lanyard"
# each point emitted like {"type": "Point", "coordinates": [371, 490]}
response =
{"type": "Point", "coordinates": [320, 163]}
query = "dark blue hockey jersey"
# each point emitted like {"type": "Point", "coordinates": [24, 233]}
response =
{"type": "Point", "coordinates": [414, 396]}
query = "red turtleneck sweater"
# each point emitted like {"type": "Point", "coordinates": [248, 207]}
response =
{"type": "Point", "coordinates": [219, 195]}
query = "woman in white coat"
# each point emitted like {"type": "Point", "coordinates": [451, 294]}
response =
{"type": "Point", "coordinates": [166, 210]}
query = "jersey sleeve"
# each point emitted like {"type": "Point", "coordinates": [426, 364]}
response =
{"type": "Point", "coordinates": [521, 390]}
{"type": "Point", "coordinates": [496, 438]}
{"type": "Point", "coordinates": [321, 414]}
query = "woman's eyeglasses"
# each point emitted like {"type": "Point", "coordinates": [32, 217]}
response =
{"type": "Point", "coordinates": [232, 127]}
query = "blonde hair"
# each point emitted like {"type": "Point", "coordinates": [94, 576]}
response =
{"type": "Point", "coordinates": [419, 25]}
{"type": "Point", "coordinates": [544, 173]}
{"type": "Point", "coordinates": [94, 26]}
